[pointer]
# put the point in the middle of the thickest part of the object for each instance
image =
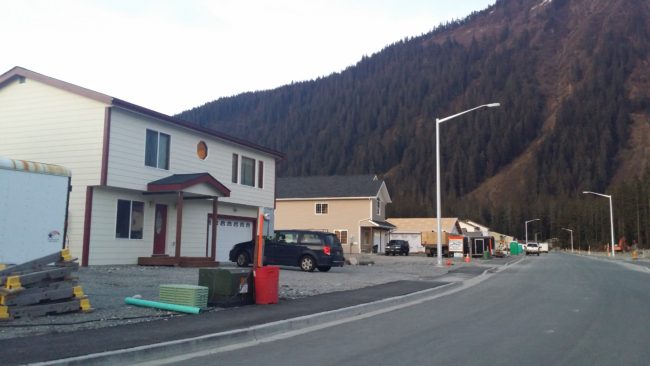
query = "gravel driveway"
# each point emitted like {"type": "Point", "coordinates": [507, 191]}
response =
{"type": "Point", "coordinates": [107, 286]}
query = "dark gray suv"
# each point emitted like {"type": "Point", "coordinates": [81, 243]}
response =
{"type": "Point", "coordinates": [400, 247]}
{"type": "Point", "coordinates": [297, 248]}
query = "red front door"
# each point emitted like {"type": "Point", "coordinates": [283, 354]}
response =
{"type": "Point", "coordinates": [160, 230]}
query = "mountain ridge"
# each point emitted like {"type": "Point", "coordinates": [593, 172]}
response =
{"type": "Point", "coordinates": [572, 79]}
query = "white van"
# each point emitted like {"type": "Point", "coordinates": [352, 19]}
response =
{"type": "Point", "coordinates": [543, 248]}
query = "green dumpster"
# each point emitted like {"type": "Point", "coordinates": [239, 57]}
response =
{"type": "Point", "coordinates": [227, 286]}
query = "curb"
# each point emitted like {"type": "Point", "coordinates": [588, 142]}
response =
{"type": "Point", "coordinates": [625, 263]}
{"type": "Point", "coordinates": [171, 348]}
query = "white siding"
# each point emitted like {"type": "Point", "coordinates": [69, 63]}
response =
{"type": "Point", "coordinates": [126, 167]}
{"type": "Point", "coordinates": [45, 124]}
{"type": "Point", "coordinates": [105, 248]}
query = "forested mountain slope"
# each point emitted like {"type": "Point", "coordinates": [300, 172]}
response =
{"type": "Point", "coordinates": [573, 79]}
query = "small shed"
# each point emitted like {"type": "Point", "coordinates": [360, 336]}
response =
{"type": "Point", "coordinates": [476, 244]}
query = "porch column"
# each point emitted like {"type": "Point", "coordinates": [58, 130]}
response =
{"type": "Point", "coordinates": [215, 221]}
{"type": "Point", "coordinates": [179, 223]}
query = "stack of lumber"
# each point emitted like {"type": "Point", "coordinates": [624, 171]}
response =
{"type": "Point", "coordinates": [188, 295]}
{"type": "Point", "coordinates": [41, 286]}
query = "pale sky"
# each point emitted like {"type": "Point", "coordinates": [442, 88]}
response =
{"type": "Point", "coordinates": [172, 55]}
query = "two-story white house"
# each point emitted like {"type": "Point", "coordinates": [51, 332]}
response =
{"type": "Point", "coordinates": [146, 187]}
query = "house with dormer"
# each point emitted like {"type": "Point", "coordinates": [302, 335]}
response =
{"type": "Point", "coordinates": [146, 187]}
{"type": "Point", "coordinates": [353, 207]}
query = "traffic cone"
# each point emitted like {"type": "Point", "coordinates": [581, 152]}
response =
{"type": "Point", "coordinates": [467, 258]}
{"type": "Point", "coordinates": [448, 262]}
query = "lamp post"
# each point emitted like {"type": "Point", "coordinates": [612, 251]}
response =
{"type": "Point", "coordinates": [611, 216]}
{"type": "Point", "coordinates": [571, 231]}
{"type": "Point", "coordinates": [526, 228]}
{"type": "Point", "coordinates": [438, 206]}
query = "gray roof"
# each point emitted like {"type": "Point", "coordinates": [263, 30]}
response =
{"type": "Point", "coordinates": [329, 186]}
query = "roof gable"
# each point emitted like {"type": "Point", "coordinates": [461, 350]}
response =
{"type": "Point", "coordinates": [336, 186]}
{"type": "Point", "coordinates": [19, 72]}
{"type": "Point", "coordinates": [181, 182]}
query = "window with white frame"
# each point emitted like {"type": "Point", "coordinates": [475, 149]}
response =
{"type": "Point", "coordinates": [129, 219]}
{"type": "Point", "coordinates": [342, 235]}
{"type": "Point", "coordinates": [247, 171]}
{"type": "Point", "coordinates": [322, 208]}
{"type": "Point", "coordinates": [156, 153]}
{"type": "Point", "coordinates": [235, 168]}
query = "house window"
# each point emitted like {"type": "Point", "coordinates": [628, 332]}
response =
{"type": "Point", "coordinates": [248, 171]}
{"type": "Point", "coordinates": [342, 235]}
{"type": "Point", "coordinates": [235, 167]}
{"type": "Point", "coordinates": [130, 217]}
{"type": "Point", "coordinates": [378, 206]}
{"type": "Point", "coordinates": [260, 174]}
{"type": "Point", "coordinates": [322, 208]}
{"type": "Point", "coordinates": [157, 150]}
{"type": "Point", "coordinates": [202, 150]}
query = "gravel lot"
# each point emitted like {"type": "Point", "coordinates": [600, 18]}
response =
{"type": "Point", "coordinates": [107, 286]}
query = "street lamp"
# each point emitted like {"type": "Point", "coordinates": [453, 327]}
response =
{"type": "Point", "coordinates": [526, 228]}
{"type": "Point", "coordinates": [438, 206]}
{"type": "Point", "coordinates": [611, 215]}
{"type": "Point", "coordinates": [571, 231]}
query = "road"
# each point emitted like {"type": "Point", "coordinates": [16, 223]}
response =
{"type": "Point", "coordinates": [557, 309]}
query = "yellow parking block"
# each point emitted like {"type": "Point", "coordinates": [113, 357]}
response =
{"type": "Point", "coordinates": [13, 283]}
{"type": "Point", "coordinates": [85, 305]}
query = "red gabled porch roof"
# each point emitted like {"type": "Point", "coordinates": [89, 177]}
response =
{"type": "Point", "coordinates": [180, 182]}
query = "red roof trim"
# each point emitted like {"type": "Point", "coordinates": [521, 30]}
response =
{"type": "Point", "coordinates": [19, 71]}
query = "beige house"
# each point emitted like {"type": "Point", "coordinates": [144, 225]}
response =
{"type": "Point", "coordinates": [353, 207]}
{"type": "Point", "coordinates": [146, 187]}
{"type": "Point", "coordinates": [473, 226]}
{"type": "Point", "coordinates": [411, 229]}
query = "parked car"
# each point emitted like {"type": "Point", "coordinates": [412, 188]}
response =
{"type": "Point", "coordinates": [297, 248]}
{"type": "Point", "coordinates": [395, 246]}
{"type": "Point", "coordinates": [532, 248]}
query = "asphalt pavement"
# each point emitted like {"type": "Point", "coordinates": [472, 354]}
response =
{"type": "Point", "coordinates": [159, 337]}
{"type": "Point", "coordinates": [550, 310]}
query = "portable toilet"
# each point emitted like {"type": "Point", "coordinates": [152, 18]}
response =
{"type": "Point", "coordinates": [514, 248]}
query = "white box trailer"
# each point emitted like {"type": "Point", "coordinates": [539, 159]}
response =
{"type": "Point", "coordinates": [33, 209]}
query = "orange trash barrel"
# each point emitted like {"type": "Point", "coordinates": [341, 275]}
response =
{"type": "Point", "coordinates": [266, 284]}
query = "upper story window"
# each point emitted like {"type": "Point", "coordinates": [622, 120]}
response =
{"type": "Point", "coordinates": [248, 171]}
{"type": "Point", "coordinates": [157, 150]}
{"type": "Point", "coordinates": [202, 150]}
{"type": "Point", "coordinates": [378, 206]}
{"type": "Point", "coordinates": [235, 168]}
{"type": "Point", "coordinates": [243, 171]}
{"type": "Point", "coordinates": [322, 208]}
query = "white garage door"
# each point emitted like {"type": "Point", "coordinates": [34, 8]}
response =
{"type": "Point", "coordinates": [229, 233]}
{"type": "Point", "coordinates": [414, 240]}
